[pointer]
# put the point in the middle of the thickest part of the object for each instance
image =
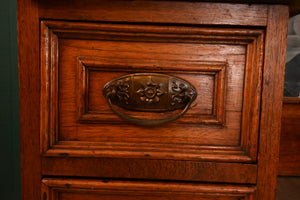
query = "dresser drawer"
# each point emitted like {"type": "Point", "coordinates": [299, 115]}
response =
{"type": "Point", "coordinates": [186, 94]}
{"type": "Point", "coordinates": [66, 189]}
{"type": "Point", "coordinates": [223, 65]}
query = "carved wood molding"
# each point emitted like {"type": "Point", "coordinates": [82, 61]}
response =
{"type": "Point", "coordinates": [216, 70]}
{"type": "Point", "coordinates": [51, 31]}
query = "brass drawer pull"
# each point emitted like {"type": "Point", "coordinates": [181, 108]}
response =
{"type": "Point", "coordinates": [149, 92]}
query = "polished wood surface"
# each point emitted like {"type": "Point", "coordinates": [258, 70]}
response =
{"type": "Point", "coordinates": [159, 12]}
{"type": "Point", "coordinates": [67, 189]}
{"type": "Point", "coordinates": [289, 157]}
{"type": "Point", "coordinates": [271, 105]}
{"type": "Point", "coordinates": [29, 93]}
{"type": "Point", "coordinates": [232, 53]}
{"type": "Point", "coordinates": [137, 168]}
{"type": "Point", "coordinates": [226, 98]}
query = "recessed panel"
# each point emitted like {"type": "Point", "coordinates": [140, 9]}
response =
{"type": "Point", "coordinates": [208, 79]}
{"type": "Point", "coordinates": [198, 126]}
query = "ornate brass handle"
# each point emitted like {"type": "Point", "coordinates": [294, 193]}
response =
{"type": "Point", "coordinates": [149, 92]}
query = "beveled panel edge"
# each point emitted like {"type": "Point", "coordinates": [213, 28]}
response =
{"type": "Point", "coordinates": [153, 33]}
{"type": "Point", "coordinates": [252, 95]}
{"type": "Point", "coordinates": [49, 87]}
{"type": "Point", "coordinates": [149, 151]}
{"type": "Point", "coordinates": [86, 63]}
{"type": "Point", "coordinates": [51, 186]}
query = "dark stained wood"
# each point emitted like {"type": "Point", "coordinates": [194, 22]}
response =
{"type": "Point", "coordinates": [294, 7]}
{"type": "Point", "coordinates": [288, 188]}
{"type": "Point", "coordinates": [155, 12]}
{"type": "Point", "coordinates": [67, 189]}
{"type": "Point", "coordinates": [271, 105]}
{"type": "Point", "coordinates": [29, 87]}
{"type": "Point", "coordinates": [137, 168]}
{"type": "Point", "coordinates": [289, 156]}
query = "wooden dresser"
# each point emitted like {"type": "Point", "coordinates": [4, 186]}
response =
{"type": "Point", "coordinates": [150, 99]}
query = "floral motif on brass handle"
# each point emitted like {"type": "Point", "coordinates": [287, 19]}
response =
{"type": "Point", "coordinates": [151, 92]}
{"type": "Point", "coordinates": [120, 90]}
{"type": "Point", "coordinates": [181, 92]}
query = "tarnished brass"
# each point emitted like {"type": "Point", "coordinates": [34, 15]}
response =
{"type": "Point", "coordinates": [150, 92]}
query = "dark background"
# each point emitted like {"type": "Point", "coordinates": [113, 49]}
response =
{"type": "Point", "coordinates": [10, 173]}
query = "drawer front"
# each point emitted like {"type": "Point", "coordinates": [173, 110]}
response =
{"type": "Point", "coordinates": [222, 64]}
{"type": "Point", "coordinates": [232, 54]}
{"type": "Point", "coordinates": [67, 189]}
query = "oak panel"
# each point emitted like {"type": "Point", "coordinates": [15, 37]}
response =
{"type": "Point", "coordinates": [67, 189]}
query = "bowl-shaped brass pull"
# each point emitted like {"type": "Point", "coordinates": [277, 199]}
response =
{"type": "Point", "coordinates": [149, 92]}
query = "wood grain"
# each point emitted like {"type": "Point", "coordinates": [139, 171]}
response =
{"type": "Point", "coordinates": [237, 157]}
{"type": "Point", "coordinates": [29, 87]}
{"type": "Point", "coordinates": [156, 12]}
{"type": "Point", "coordinates": [103, 51]}
{"type": "Point", "coordinates": [65, 189]}
{"type": "Point", "coordinates": [271, 105]}
{"type": "Point", "coordinates": [137, 168]}
{"type": "Point", "coordinates": [95, 72]}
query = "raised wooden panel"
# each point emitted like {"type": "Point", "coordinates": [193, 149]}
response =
{"type": "Point", "coordinates": [67, 189]}
{"type": "Point", "coordinates": [224, 64]}
{"type": "Point", "coordinates": [94, 72]}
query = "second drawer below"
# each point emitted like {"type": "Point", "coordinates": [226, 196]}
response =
{"type": "Point", "coordinates": [78, 189]}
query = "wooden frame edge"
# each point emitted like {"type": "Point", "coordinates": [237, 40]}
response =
{"type": "Point", "coordinates": [271, 104]}
{"type": "Point", "coordinates": [29, 91]}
